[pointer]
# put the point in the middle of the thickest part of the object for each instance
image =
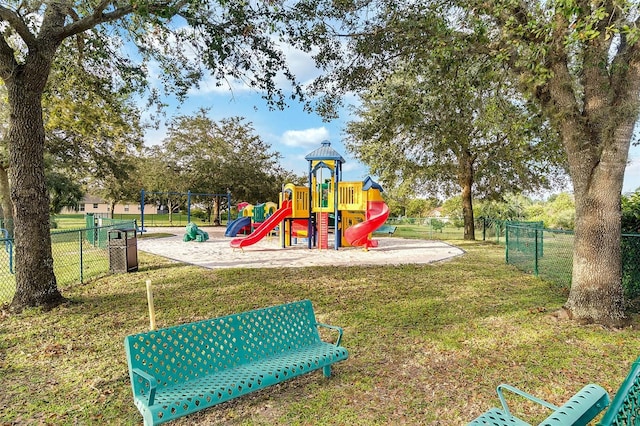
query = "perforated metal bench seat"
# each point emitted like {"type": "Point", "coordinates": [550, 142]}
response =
{"type": "Point", "coordinates": [496, 417]}
{"type": "Point", "coordinates": [579, 410]}
{"type": "Point", "coordinates": [179, 370]}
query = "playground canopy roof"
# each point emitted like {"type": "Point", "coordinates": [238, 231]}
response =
{"type": "Point", "coordinates": [369, 183]}
{"type": "Point", "coordinates": [325, 152]}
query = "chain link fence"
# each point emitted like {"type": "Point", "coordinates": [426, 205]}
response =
{"type": "Point", "coordinates": [78, 255]}
{"type": "Point", "coordinates": [445, 228]}
{"type": "Point", "coordinates": [433, 228]}
{"type": "Point", "coordinates": [548, 253]}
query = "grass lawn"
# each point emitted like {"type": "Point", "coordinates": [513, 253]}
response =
{"type": "Point", "coordinates": [428, 344]}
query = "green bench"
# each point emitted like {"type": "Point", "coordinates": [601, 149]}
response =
{"type": "Point", "coordinates": [385, 229]}
{"type": "Point", "coordinates": [179, 370]}
{"type": "Point", "coordinates": [581, 408]}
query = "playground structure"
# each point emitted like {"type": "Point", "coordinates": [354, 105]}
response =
{"type": "Point", "coordinates": [251, 218]}
{"type": "Point", "coordinates": [353, 210]}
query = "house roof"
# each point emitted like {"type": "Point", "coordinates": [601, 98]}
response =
{"type": "Point", "coordinates": [92, 199]}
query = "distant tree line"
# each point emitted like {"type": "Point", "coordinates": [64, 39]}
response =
{"type": "Point", "coordinates": [557, 211]}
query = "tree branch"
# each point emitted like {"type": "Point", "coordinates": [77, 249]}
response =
{"type": "Point", "coordinates": [97, 17]}
{"type": "Point", "coordinates": [15, 21]}
{"type": "Point", "coordinates": [7, 60]}
{"type": "Point", "coordinates": [625, 76]}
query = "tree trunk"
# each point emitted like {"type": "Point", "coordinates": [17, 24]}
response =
{"type": "Point", "coordinates": [216, 210]}
{"type": "Point", "coordinates": [35, 281]}
{"type": "Point", "coordinates": [466, 182]}
{"type": "Point", "coordinates": [170, 208]}
{"type": "Point", "coordinates": [596, 291]}
{"type": "Point", "coordinates": [596, 288]}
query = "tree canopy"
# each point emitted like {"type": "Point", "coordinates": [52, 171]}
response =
{"type": "Point", "coordinates": [209, 157]}
{"type": "Point", "coordinates": [184, 39]}
{"type": "Point", "coordinates": [452, 125]}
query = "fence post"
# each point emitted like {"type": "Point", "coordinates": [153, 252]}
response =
{"type": "Point", "coordinates": [484, 228]}
{"type": "Point", "coordinates": [506, 242]}
{"type": "Point", "coordinates": [535, 257]}
{"type": "Point", "coordinates": [11, 256]}
{"type": "Point", "coordinates": [142, 209]}
{"type": "Point", "coordinates": [81, 257]}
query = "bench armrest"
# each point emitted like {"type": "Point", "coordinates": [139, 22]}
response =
{"type": "Point", "coordinates": [523, 394]}
{"type": "Point", "coordinates": [140, 389]}
{"type": "Point", "coordinates": [332, 327]}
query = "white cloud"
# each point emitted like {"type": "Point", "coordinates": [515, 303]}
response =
{"type": "Point", "coordinates": [300, 63]}
{"type": "Point", "coordinates": [353, 167]}
{"type": "Point", "coordinates": [305, 138]}
{"type": "Point", "coordinates": [153, 136]}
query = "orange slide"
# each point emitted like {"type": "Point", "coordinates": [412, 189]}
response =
{"type": "Point", "coordinates": [358, 234]}
{"type": "Point", "coordinates": [267, 226]}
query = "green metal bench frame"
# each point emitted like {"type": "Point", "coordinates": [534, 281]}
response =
{"type": "Point", "coordinates": [581, 408]}
{"type": "Point", "coordinates": [625, 407]}
{"type": "Point", "coordinates": [179, 370]}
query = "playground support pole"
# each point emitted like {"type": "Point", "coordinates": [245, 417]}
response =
{"type": "Point", "coordinates": [310, 224]}
{"type": "Point", "coordinates": [188, 206]}
{"type": "Point", "coordinates": [336, 211]}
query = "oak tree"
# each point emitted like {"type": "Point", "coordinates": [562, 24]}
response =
{"type": "Point", "coordinates": [577, 60]}
{"type": "Point", "coordinates": [580, 62]}
{"type": "Point", "coordinates": [183, 37]}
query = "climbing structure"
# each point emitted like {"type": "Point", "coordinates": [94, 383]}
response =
{"type": "Point", "coordinates": [329, 204]}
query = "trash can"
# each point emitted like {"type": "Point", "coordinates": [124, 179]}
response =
{"type": "Point", "coordinates": [123, 251]}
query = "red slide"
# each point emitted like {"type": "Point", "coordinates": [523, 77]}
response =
{"type": "Point", "coordinates": [358, 234]}
{"type": "Point", "coordinates": [264, 228]}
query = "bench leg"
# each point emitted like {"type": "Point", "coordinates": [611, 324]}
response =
{"type": "Point", "coordinates": [326, 370]}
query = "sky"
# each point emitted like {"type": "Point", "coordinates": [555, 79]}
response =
{"type": "Point", "coordinates": [294, 132]}
{"type": "Point", "coordinates": [632, 173]}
